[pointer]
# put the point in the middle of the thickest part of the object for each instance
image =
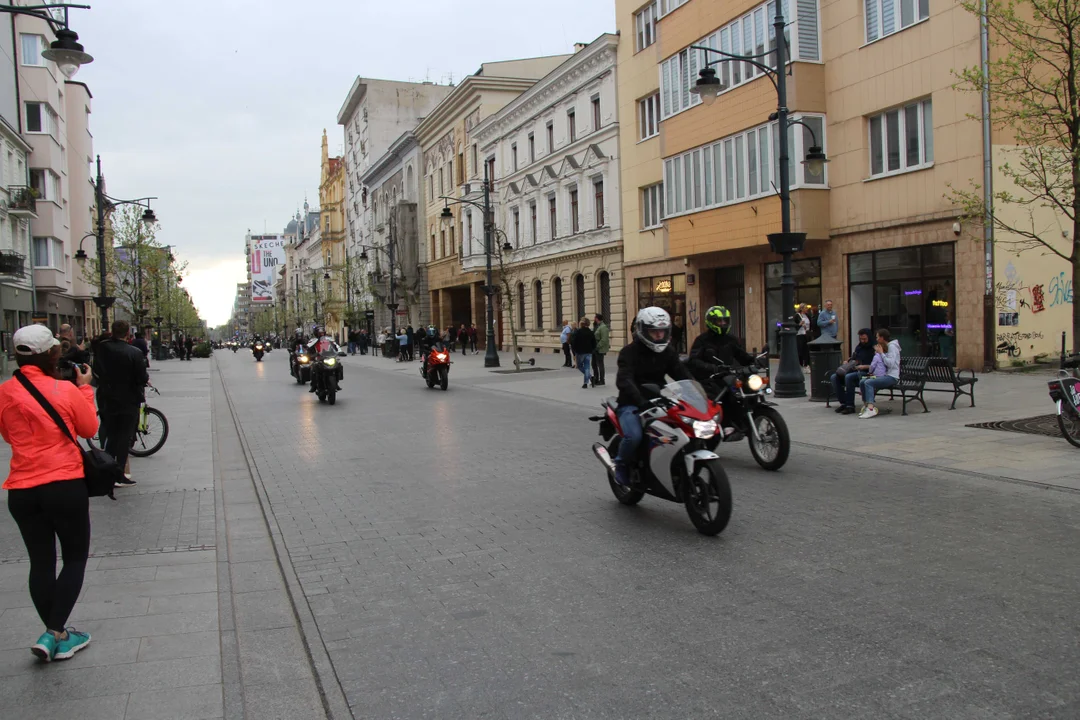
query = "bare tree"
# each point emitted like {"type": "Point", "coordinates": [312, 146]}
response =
{"type": "Point", "coordinates": [1034, 88]}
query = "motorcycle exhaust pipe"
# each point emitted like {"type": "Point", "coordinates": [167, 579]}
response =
{"type": "Point", "coordinates": [603, 456]}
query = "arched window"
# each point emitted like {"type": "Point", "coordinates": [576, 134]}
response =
{"type": "Point", "coordinates": [538, 311]}
{"type": "Point", "coordinates": [521, 305]}
{"type": "Point", "coordinates": [603, 282]}
{"type": "Point", "coordinates": [579, 296]}
{"type": "Point", "coordinates": [556, 300]}
{"type": "Point", "coordinates": [409, 182]}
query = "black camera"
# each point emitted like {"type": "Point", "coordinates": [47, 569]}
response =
{"type": "Point", "coordinates": [65, 370]}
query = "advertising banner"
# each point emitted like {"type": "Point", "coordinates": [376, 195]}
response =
{"type": "Point", "coordinates": [267, 258]}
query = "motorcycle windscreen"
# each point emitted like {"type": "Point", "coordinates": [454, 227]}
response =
{"type": "Point", "coordinates": [689, 392]}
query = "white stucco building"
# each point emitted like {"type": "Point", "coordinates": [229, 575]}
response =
{"type": "Point", "coordinates": [375, 114]}
{"type": "Point", "coordinates": [393, 187]}
{"type": "Point", "coordinates": [553, 154]}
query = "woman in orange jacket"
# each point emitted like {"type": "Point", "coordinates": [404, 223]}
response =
{"type": "Point", "coordinates": [47, 493]}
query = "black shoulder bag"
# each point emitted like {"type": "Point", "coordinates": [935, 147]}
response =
{"type": "Point", "coordinates": [100, 470]}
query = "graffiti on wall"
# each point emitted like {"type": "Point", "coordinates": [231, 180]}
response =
{"type": "Point", "coordinates": [1061, 290]}
{"type": "Point", "coordinates": [1008, 342]}
{"type": "Point", "coordinates": [693, 314]}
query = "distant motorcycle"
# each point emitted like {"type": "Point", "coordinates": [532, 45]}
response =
{"type": "Point", "coordinates": [438, 367]}
{"type": "Point", "coordinates": [1065, 392]}
{"type": "Point", "coordinates": [300, 367]}
{"type": "Point", "coordinates": [324, 376]}
{"type": "Point", "coordinates": [257, 351]}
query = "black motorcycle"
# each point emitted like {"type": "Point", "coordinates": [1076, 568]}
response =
{"type": "Point", "coordinates": [756, 418]}
{"type": "Point", "coordinates": [1065, 392]}
{"type": "Point", "coordinates": [257, 351]}
{"type": "Point", "coordinates": [324, 376]}
{"type": "Point", "coordinates": [300, 366]}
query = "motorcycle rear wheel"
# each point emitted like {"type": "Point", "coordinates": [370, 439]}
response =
{"type": "Point", "coordinates": [623, 494]}
{"type": "Point", "coordinates": [1069, 423]}
{"type": "Point", "coordinates": [772, 452]}
{"type": "Point", "coordinates": [708, 498]}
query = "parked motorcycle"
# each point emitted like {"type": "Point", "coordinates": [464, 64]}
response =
{"type": "Point", "coordinates": [438, 367]}
{"type": "Point", "coordinates": [324, 376]}
{"type": "Point", "coordinates": [300, 367]}
{"type": "Point", "coordinates": [672, 463]}
{"type": "Point", "coordinates": [757, 417]}
{"type": "Point", "coordinates": [257, 351]}
{"type": "Point", "coordinates": [1065, 391]}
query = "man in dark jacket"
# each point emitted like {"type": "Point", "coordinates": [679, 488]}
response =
{"type": "Point", "coordinates": [140, 343]}
{"type": "Point", "coordinates": [122, 377]}
{"type": "Point", "coordinates": [646, 360]}
{"type": "Point", "coordinates": [188, 344]}
{"type": "Point", "coordinates": [718, 344]}
{"type": "Point", "coordinates": [583, 343]}
{"type": "Point", "coordinates": [844, 383]}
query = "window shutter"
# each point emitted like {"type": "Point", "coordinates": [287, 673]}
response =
{"type": "Point", "coordinates": [888, 17]}
{"type": "Point", "coordinates": [871, 11]}
{"type": "Point", "coordinates": [808, 30]}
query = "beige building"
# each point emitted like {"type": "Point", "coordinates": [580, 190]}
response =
{"type": "Point", "coordinates": [555, 155]}
{"type": "Point", "coordinates": [332, 226]}
{"type": "Point", "coordinates": [452, 167]}
{"type": "Point", "coordinates": [873, 82]}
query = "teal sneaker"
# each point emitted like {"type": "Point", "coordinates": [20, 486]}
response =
{"type": "Point", "coordinates": [45, 647]}
{"type": "Point", "coordinates": [73, 643]}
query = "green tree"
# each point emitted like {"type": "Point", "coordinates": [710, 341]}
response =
{"type": "Point", "coordinates": [1034, 87]}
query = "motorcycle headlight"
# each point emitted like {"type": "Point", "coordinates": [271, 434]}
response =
{"type": "Point", "coordinates": [330, 361]}
{"type": "Point", "coordinates": [303, 358]}
{"type": "Point", "coordinates": [704, 429]}
{"type": "Point", "coordinates": [441, 356]}
{"type": "Point", "coordinates": [258, 347]}
{"type": "Point", "coordinates": [755, 382]}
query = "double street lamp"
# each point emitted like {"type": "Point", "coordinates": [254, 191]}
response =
{"type": "Point", "coordinates": [491, 355]}
{"type": "Point", "coordinates": [101, 199]}
{"type": "Point", "coordinates": [789, 380]}
{"type": "Point", "coordinates": [391, 298]}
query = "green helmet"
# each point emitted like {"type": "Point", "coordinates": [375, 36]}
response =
{"type": "Point", "coordinates": [718, 319]}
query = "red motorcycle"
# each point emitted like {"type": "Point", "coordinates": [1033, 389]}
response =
{"type": "Point", "coordinates": [437, 368]}
{"type": "Point", "coordinates": [673, 462]}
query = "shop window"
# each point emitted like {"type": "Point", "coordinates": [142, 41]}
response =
{"type": "Point", "coordinates": [909, 291]}
{"type": "Point", "coordinates": [807, 276]}
{"type": "Point", "coordinates": [664, 291]}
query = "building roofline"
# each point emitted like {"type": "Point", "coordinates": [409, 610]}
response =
{"type": "Point", "coordinates": [397, 149]}
{"type": "Point", "coordinates": [462, 94]}
{"type": "Point", "coordinates": [359, 89]}
{"type": "Point", "coordinates": [81, 84]}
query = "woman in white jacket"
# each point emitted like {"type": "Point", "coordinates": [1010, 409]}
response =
{"type": "Point", "coordinates": [878, 380]}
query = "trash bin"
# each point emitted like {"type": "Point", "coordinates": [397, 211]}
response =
{"type": "Point", "coordinates": [824, 359]}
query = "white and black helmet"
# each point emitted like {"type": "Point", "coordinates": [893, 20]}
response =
{"type": "Point", "coordinates": [653, 328]}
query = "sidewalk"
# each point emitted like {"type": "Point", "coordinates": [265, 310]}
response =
{"type": "Point", "coordinates": [183, 595]}
{"type": "Point", "coordinates": [938, 439]}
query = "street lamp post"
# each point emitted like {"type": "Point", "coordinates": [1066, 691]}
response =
{"type": "Point", "coordinates": [392, 304]}
{"type": "Point", "coordinates": [491, 354]}
{"type": "Point", "coordinates": [789, 381]}
{"type": "Point", "coordinates": [103, 300]}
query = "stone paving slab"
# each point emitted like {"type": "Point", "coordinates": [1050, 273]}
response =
{"type": "Point", "coordinates": [462, 557]}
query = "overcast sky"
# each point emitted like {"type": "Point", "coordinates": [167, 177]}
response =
{"type": "Point", "coordinates": [218, 106]}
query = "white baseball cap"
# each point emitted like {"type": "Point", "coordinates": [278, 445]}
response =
{"type": "Point", "coordinates": [34, 340]}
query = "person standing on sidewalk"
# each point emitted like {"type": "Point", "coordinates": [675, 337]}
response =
{"type": "Point", "coordinates": [472, 339]}
{"type": "Point", "coordinates": [564, 338]}
{"type": "Point", "coordinates": [583, 342]}
{"type": "Point", "coordinates": [603, 345]}
{"type": "Point", "coordinates": [188, 344]}
{"type": "Point", "coordinates": [827, 321]}
{"type": "Point", "coordinates": [122, 380]}
{"type": "Point", "coordinates": [47, 494]}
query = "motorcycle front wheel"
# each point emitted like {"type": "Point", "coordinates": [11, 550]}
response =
{"type": "Point", "coordinates": [622, 493]}
{"type": "Point", "coordinates": [1069, 422]}
{"type": "Point", "coordinates": [771, 451]}
{"type": "Point", "coordinates": [708, 498]}
{"type": "Point", "coordinates": [444, 377]}
{"type": "Point", "coordinates": [331, 396]}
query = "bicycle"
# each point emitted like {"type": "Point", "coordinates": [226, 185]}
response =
{"type": "Point", "coordinates": [151, 432]}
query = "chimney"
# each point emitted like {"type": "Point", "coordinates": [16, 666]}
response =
{"type": "Point", "coordinates": [578, 47]}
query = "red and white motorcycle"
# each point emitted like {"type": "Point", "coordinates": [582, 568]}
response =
{"type": "Point", "coordinates": [672, 462]}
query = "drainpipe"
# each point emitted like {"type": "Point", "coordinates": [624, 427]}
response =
{"type": "Point", "coordinates": [989, 310]}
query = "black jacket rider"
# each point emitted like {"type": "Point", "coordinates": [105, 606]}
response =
{"type": "Point", "coordinates": [640, 365]}
{"type": "Point", "coordinates": [710, 345]}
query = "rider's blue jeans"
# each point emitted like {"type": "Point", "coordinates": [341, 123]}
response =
{"type": "Point", "coordinates": [631, 427]}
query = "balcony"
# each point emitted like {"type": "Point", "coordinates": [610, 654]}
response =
{"type": "Point", "coordinates": [12, 263]}
{"type": "Point", "coordinates": [23, 202]}
{"type": "Point", "coordinates": [50, 279]}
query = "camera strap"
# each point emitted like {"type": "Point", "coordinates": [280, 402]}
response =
{"type": "Point", "coordinates": [47, 406]}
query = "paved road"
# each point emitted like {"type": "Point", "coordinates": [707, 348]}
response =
{"type": "Point", "coordinates": [462, 557]}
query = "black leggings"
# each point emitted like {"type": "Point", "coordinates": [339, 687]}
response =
{"type": "Point", "coordinates": [44, 513]}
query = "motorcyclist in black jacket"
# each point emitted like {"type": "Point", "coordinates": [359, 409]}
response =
{"type": "Point", "coordinates": [646, 360]}
{"type": "Point", "coordinates": [717, 343]}
{"type": "Point", "coordinates": [428, 340]}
